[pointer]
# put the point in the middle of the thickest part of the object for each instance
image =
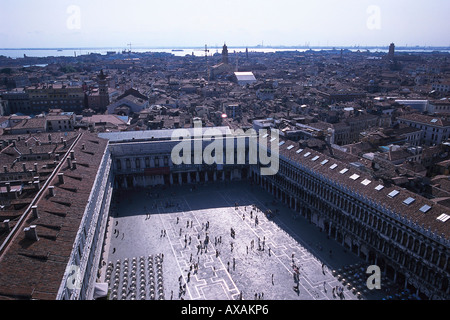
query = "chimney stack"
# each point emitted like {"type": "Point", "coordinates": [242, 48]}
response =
{"type": "Point", "coordinates": [35, 167]}
{"type": "Point", "coordinates": [61, 178]}
{"type": "Point", "coordinates": [69, 163]}
{"type": "Point", "coordinates": [5, 169]}
{"type": "Point", "coordinates": [51, 191]}
{"type": "Point", "coordinates": [31, 233]}
{"type": "Point", "coordinates": [74, 165]}
{"type": "Point", "coordinates": [72, 155]}
{"type": "Point", "coordinates": [8, 187]}
{"type": "Point", "coordinates": [24, 167]}
{"type": "Point", "coordinates": [35, 212]}
{"type": "Point", "coordinates": [6, 225]}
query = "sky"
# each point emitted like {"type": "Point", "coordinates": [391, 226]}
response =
{"type": "Point", "coordinates": [189, 23]}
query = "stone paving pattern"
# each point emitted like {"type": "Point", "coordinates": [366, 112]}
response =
{"type": "Point", "coordinates": [136, 230]}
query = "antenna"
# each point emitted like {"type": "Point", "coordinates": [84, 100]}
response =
{"type": "Point", "coordinates": [207, 62]}
{"type": "Point", "coordinates": [130, 46]}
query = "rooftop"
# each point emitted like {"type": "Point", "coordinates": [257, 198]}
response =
{"type": "Point", "coordinates": [32, 269]}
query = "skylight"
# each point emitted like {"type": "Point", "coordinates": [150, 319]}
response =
{"type": "Point", "coordinates": [343, 171]}
{"type": "Point", "coordinates": [324, 162]}
{"type": "Point", "coordinates": [443, 217]}
{"type": "Point", "coordinates": [354, 176]}
{"type": "Point", "coordinates": [299, 150]}
{"type": "Point", "coordinates": [315, 158]}
{"type": "Point", "coordinates": [379, 187]}
{"type": "Point", "coordinates": [366, 182]}
{"type": "Point", "coordinates": [425, 208]}
{"type": "Point", "coordinates": [409, 201]}
{"type": "Point", "coordinates": [290, 147]}
{"type": "Point", "coordinates": [307, 154]}
{"type": "Point", "coordinates": [281, 143]}
{"type": "Point", "coordinates": [333, 166]}
{"type": "Point", "coordinates": [394, 193]}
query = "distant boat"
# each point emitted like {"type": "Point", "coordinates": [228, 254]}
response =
{"type": "Point", "coordinates": [59, 49]}
{"type": "Point", "coordinates": [177, 50]}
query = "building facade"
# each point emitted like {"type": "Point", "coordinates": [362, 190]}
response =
{"type": "Point", "coordinates": [435, 129]}
{"type": "Point", "coordinates": [403, 233]}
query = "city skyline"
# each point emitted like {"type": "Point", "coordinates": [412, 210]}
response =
{"type": "Point", "coordinates": [175, 23]}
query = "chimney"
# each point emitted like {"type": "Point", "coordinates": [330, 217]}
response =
{"type": "Point", "coordinates": [24, 166]}
{"type": "Point", "coordinates": [35, 167]}
{"type": "Point", "coordinates": [69, 163]}
{"type": "Point", "coordinates": [31, 233]}
{"type": "Point", "coordinates": [62, 139]}
{"type": "Point", "coordinates": [83, 147]}
{"type": "Point", "coordinates": [72, 155]}
{"type": "Point", "coordinates": [37, 185]}
{"type": "Point", "coordinates": [49, 137]}
{"type": "Point", "coordinates": [57, 157]}
{"type": "Point", "coordinates": [8, 187]}
{"type": "Point", "coordinates": [61, 178]}
{"type": "Point", "coordinates": [51, 191]}
{"type": "Point", "coordinates": [5, 169]}
{"type": "Point", "coordinates": [35, 212]}
{"type": "Point", "coordinates": [6, 225]}
{"type": "Point", "coordinates": [31, 150]}
{"type": "Point", "coordinates": [74, 164]}
{"type": "Point", "coordinates": [65, 143]}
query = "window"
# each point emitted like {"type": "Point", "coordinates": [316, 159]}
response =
{"type": "Point", "coordinates": [443, 217]}
{"type": "Point", "coordinates": [409, 200]}
{"type": "Point", "coordinates": [393, 194]}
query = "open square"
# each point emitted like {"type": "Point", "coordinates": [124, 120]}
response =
{"type": "Point", "coordinates": [246, 254]}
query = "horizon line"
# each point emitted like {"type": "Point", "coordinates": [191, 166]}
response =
{"type": "Point", "coordinates": [237, 46]}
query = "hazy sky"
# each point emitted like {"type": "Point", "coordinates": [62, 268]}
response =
{"type": "Point", "coordinates": [150, 23]}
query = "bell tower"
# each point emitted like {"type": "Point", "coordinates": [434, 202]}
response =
{"type": "Point", "coordinates": [225, 54]}
{"type": "Point", "coordinates": [103, 90]}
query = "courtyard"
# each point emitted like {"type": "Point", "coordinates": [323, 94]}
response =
{"type": "Point", "coordinates": [214, 241]}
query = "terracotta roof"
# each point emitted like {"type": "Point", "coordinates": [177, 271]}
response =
{"type": "Point", "coordinates": [411, 212]}
{"type": "Point", "coordinates": [34, 269]}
